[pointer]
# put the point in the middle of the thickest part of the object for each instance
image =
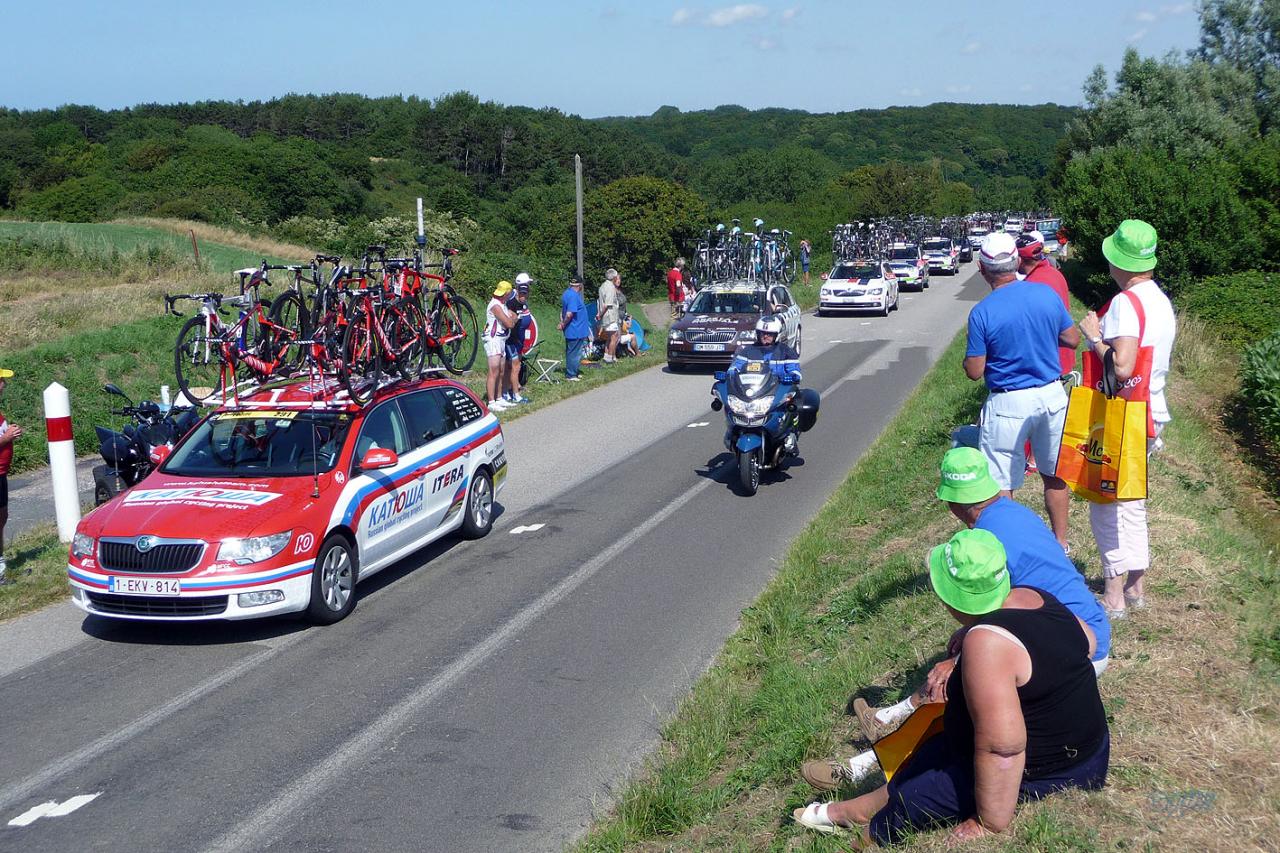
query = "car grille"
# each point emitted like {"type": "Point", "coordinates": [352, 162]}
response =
{"type": "Point", "coordinates": [146, 605]}
{"type": "Point", "coordinates": [705, 336]}
{"type": "Point", "coordinates": [851, 292]}
{"type": "Point", "coordinates": [161, 559]}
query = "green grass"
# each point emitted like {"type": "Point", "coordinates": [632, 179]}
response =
{"type": "Point", "coordinates": [104, 240]}
{"type": "Point", "coordinates": [37, 565]}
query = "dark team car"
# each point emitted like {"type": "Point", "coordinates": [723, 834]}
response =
{"type": "Point", "coordinates": [722, 317]}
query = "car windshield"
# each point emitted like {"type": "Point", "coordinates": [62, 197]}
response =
{"type": "Point", "coordinates": [979, 232]}
{"type": "Point", "coordinates": [906, 253]}
{"type": "Point", "coordinates": [1048, 227]}
{"type": "Point", "coordinates": [849, 271]}
{"type": "Point", "coordinates": [726, 302]}
{"type": "Point", "coordinates": [937, 245]}
{"type": "Point", "coordinates": [261, 444]}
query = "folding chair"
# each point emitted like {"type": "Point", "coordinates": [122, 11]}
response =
{"type": "Point", "coordinates": [545, 366]}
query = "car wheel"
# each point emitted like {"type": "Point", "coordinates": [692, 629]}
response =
{"type": "Point", "coordinates": [884, 312]}
{"type": "Point", "coordinates": [333, 582]}
{"type": "Point", "coordinates": [478, 519]}
{"type": "Point", "coordinates": [819, 313]}
{"type": "Point", "coordinates": [675, 367]}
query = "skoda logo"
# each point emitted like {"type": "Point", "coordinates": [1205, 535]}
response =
{"type": "Point", "coordinates": [145, 544]}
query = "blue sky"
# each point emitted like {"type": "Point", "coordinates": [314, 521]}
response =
{"type": "Point", "coordinates": [590, 57]}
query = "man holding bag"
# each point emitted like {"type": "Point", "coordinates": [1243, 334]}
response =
{"type": "Point", "coordinates": [1137, 327]}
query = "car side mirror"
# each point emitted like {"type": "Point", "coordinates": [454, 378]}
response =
{"type": "Point", "coordinates": [159, 454]}
{"type": "Point", "coordinates": [377, 458]}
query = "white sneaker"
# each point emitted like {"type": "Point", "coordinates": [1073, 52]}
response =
{"type": "Point", "coordinates": [497, 406]}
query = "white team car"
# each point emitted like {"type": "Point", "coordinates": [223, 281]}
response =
{"type": "Point", "coordinates": [859, 286]}
{"type": "Point", "coordinates": [941, 255]}
{"type": "Point", "coordinates": [909, 266]}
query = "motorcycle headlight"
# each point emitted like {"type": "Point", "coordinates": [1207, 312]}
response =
{"type": "Point", "coordinates": [675, 335]}
{"type": "Point", "coordinates": [750, 408]}
{"type": "Point", "coordinates": [255, 549]}
{"type": "Point", "coordinates": [82, 545]}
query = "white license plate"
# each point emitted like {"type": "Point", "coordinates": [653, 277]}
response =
{"type": "Point", "coordinates": [146, 586]}
{"type": "Point", "coordinates": [708, 347]}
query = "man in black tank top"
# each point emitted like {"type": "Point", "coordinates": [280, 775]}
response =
{"type": "Point", "coordinates": [1023, 716]}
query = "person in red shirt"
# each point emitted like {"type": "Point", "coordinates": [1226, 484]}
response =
{"type": "Point", "coordinates": [675, 288]}
{"type": "Point", "coordinates": [9, 433]}
{"type": "Point", "coordinates": [1033, 266]}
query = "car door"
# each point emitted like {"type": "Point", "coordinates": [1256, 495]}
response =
{"type": "Point", "coordinates": [383, 496]}
{"type": "Point", "coordinates": [433, 424]}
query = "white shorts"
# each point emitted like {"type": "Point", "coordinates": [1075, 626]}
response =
{"type": "Point", "coordinates": [494, 346]}
{"type": "Point", "coordinates": [1009, 419]}
{"type": "Point", "coordinates": [611, 328]}
{"type": "Point", "coordinates": [1120, 529]}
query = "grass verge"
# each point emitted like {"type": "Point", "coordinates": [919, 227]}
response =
{"type": "Point", "coordinates": [1191, 692]}
{"type": "Point", "coordinates": [37, 570]}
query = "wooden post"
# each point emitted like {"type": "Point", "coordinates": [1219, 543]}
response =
{"type": "Point", "coordinates": [577, 175]}
{"type": "Point", "coordinates": [194, 247]}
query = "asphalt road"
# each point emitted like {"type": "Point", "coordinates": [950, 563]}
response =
{"type": "Point", "coordinates": [490, 695]}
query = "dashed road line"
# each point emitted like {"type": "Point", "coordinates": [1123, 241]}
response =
{"type": "Point", "coordinates": [527, 528]}
{"type": "Point", "coordinates": [53, 808]}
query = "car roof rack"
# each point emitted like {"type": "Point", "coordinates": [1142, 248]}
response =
{"type": "Point", "coordinates": [305, 391]}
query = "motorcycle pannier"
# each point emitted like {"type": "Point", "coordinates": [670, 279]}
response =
{"type": "Point", "coordinates": [807, 402]}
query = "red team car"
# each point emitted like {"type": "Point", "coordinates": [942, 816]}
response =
{"type": "Point", "coordinates": [284, 502]}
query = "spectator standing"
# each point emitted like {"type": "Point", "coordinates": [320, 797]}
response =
{"type": "Point", "coordinates": [1120, 528]}
{"type": "Point", "coordinates": [675, 289]}
{"type": "Point", "coordinates": [607, 316]}
{"type": "Point", "coordinates": [806, 254]}
{"type": "Point", "coordinates": [1013, 339]}
{"type": "Point", "coordinates": [9, 433]}
{"type": "Point", "coordinates": [518, 305]}
{"type": "Point", "coordinates": [576, 327]}
{"type": "Point", "coordinates": [497, 328]}
{"type": "Point", "coordinates": [1033, 266]}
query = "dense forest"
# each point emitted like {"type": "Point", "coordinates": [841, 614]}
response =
{"type": "Point", "coordinates": [313, 168]}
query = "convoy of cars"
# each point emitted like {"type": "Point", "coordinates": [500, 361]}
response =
{"type": "Point", "coordinates": [285, 501]}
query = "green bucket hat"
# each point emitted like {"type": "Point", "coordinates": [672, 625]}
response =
{"type": "Point", "coordinates": [966, 477]}
{"type": "Point", "coordinates": [968, 572]}
{"type": "Point", "coordinates": [1133, 247]}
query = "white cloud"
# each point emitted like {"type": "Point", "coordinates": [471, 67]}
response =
{"type": "Point", "coordinates": [958, 90]}
{"type": "Point", "coordinates": [1145, 16]}
{"type": "Point", "coordinates": [1138, 35]}
{"type": "Point", "coordinates": [681, 17]}
{"type": "Point", "coordinates": [766, 44]}
{"type": "Point", "coordinates": [972, 47]}
{"type": "Point", "coordinates": [789, 15]}
{"type": "Point", "coordinates": [730, 15]}
{"type": "Point", "coordinates": [910, 93]}
{"type": "Point", "coordinates": [1175, 9]}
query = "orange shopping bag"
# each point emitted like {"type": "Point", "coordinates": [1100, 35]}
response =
{"type": "Point", "coordinates": [894, 749]}
{"type": "Point", "coordinates": [1103, 456]}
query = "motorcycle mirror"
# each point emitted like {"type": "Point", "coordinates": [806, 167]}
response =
{"type": "Point", "coordinates": [716, 405]}
{"type": "Point", "coordinates": [112, 389]}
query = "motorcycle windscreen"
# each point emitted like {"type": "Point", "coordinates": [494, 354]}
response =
{"type": "Point", "coordinates": [753, 381]}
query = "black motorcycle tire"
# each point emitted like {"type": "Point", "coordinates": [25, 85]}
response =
{"type": "Point", "coordinates": [749, 472]}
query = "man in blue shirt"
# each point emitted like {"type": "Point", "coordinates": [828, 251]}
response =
{"type": "Point", "coordinates": [1014, 334]}
{"type": "Point", "coordinates": [576, 327]}
{"type": "Point", "coordinates": [1033, 557]}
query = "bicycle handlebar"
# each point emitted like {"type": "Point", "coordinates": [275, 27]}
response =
{"type": "Point", "coordinates": [171, 300]}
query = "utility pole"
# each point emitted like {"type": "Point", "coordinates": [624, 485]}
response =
{"type": "Point", "coordinates": [577, 177]}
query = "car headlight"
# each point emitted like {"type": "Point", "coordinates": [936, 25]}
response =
{"type": "Point", "coordinates": [675, 335]}
{"type": "Point", "coordinates": [82, 545]}
{"type": "Point", "coordinates": [255, 549]}
{"type": "Point", "coordinates": [826, 291]}
{"type": "Point", "coordinates": [876, 291]}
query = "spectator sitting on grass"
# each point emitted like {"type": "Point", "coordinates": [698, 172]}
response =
{"type": "Point", "coordinates": [1024, 719]}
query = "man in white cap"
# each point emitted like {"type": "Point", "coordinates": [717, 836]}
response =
{"type": "Point", "coordinates": [1013, 340]}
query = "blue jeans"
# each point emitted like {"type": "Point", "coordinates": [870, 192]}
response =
{"type": "Point", "coordinates": [935, 788]}
{"type": "Point", "coordinates": [573, 348]}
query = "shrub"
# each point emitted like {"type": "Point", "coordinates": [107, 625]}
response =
{"type": "Point", "coordinates": [1242, 307]}
{"type": "Point", "coordinates": [1260, 385]}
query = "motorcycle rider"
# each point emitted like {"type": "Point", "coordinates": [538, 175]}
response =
{"type": "Point", "coordinates": [782, 358]}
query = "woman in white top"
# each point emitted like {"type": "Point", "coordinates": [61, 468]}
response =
{"type": "Point", "coordinates": [497, 326]}
{"type": "Point", "coordinates": [1120, 528]}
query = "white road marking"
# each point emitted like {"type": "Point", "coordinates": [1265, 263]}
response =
{"type": "Point", "coordinates": [527, 528]}
{"type": "Point", "coordinates": [867, 323]}
{"type": "Point", "coordinates": [53, 808]}
{"type": "Point", "coordinates": [263, 826]}
{"type": "Point", "coordinates": [19, 791]}
{"type": "Point", "coordinates": [835, 342]}
{"type": "Point", "coordinates": [698, 424]}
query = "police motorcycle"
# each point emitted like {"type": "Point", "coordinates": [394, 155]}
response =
{"type": "Point", "coordinates": [764, 406]}
{"type": "Point", "coordinates": [131, 454]}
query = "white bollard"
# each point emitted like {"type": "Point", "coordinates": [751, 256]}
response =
{"type": "Point", "coordinates": [62, 460]}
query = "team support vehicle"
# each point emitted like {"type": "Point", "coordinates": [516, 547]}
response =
{"type": "Point", "coordinates": [909, 266]}
{"type": "Point", "coordinates": [1050, 228]}
{"type": "Point", "coordinates": [723, 317]}
{"type": "Point", "coordinates": [859, 286]}
{"type": "Point", "coordinates": [285, 501]}
{"type": "Point", "coordinates": [940, 254]}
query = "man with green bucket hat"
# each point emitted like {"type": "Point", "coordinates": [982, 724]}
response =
{"type": "Point", "coordinates": [1143, 319]}
{"type": "Point", "coordinates": [1034, 559]}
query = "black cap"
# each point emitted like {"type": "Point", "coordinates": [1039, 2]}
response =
{"type": "Point", "coordinates": [575, 279]}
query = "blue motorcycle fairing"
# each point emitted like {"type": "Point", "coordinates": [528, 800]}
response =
{"type": "Point", "coordinates": [749, 442]}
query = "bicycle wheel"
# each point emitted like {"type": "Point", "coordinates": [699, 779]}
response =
{"type": "Point", "coordinates": [197, 361]}
{"type": "Point", "coordinates": [360, 365]}
{"type": "Point", "coordinates": [293, 320]}
{"type": "Point", "coordinates": [409, 336]}
{"type": "Point", "coordinates": [456, 329]}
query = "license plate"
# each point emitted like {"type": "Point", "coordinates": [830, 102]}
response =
{"type": "Point", "coordinates": [146, 586]}
{"type": "Point", "coordinates": [708, 347]}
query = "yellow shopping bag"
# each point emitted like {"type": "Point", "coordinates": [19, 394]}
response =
{"type": "Point", "coordinates": [893, 750]}
{"type": "Point", "coordinates": [1103, 456]}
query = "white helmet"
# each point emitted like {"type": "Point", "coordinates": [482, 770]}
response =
{"type": "Point", "coordinates": [768, 325]}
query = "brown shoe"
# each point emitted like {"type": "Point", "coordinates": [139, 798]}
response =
{"type": "Point", "coordinates": [826, 775]}
{"type": "Point", "coordinates": [872, 729]}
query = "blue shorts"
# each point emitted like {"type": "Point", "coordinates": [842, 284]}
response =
{"type": "Point", "coordinates": [512, 351]}
{"type": "Point", "coordinates": [935, 788]}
